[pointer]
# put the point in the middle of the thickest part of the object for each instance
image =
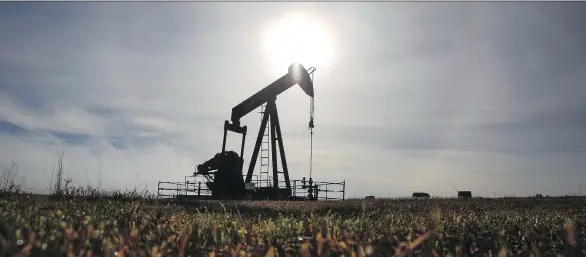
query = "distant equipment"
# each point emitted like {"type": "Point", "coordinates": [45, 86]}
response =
{"type": "Point", "coordinates": [222, 175]}
{"type": "Point", "coordinates": [420, 195]}
{"type": "Point", "coordinates": [370, 197]}
{"type": "Point", "coordinates": [464, 194]}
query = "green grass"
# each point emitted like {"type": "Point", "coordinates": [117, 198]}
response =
{"type": "Point", "coordinates": [124, 224]}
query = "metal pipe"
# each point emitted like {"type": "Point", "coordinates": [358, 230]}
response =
{"type": "Point", "coordinates": [242, 149]}
{"type": "Point", "coordinates": [225, 134]}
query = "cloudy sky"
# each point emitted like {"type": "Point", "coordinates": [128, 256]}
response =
{"type": "Point", "coordinates": [487, 97]}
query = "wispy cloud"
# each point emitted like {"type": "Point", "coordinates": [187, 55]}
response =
{"type": "Point", "coordinates": [422, 96]}
{"type": "Point", "coordinates": [11, 128]}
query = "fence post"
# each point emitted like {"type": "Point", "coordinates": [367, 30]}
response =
{"type": "Point", "coordinates": [316, 194]}
{"type": "Point", "coordinates": [344, 190]}
{"type": "Point", "coordinates": [199, 188]}
{"type": "Point", "coordinates": [158, 189]}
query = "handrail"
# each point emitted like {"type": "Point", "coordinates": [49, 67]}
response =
{"type": "Point", "coordinates": [195, 187]}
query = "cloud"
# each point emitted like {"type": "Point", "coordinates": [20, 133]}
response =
{"type": "Point", "coordinates": [11, 128]}
{"type": "Point", "coordinates": [420, 98]}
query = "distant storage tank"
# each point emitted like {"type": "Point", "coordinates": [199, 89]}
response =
{"type": "Point", "coordinates": [420, 195]}
{"type": "Point", "coordinates": [464, 194]}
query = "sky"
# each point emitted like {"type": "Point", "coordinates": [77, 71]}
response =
{"type": "Point", "coordinates": [432, 97]}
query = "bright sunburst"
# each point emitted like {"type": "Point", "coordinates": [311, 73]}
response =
{"type": "Point", "coordinates": [298, 38]}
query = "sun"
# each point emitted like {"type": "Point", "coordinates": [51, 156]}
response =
{"type": "Point", "coordinates": [298, 37]}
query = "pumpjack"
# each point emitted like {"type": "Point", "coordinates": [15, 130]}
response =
{"type": "Point", "coordinates": [224, 172]}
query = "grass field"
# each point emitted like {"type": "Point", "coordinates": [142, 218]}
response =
{"type": "Point", "coordinates": [119, 226]}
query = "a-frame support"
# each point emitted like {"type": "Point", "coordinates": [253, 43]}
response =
{"type": "Point", "coordinates": [276, 138]}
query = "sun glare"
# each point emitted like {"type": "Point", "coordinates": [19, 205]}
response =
{"type": "Point", "coordinates": [298, 38]}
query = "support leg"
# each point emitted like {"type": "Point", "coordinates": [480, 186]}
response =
{"type": "Point", "coordinates": [275, 121]}
{"type": "Point", "coordinates": [274, 151]}
{"type": "Point", "coordinates": [263, 125]}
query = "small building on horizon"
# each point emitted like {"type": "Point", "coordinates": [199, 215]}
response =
{"type": "Point", "coordinates": [420, 195]}
{"type": "Point", "coordinates": [464, 194]}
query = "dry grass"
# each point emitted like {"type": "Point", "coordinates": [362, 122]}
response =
{"type": "Point", "coordinates": [125, 225]}
{"type": "Point", "coordinates": [85, 221]}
